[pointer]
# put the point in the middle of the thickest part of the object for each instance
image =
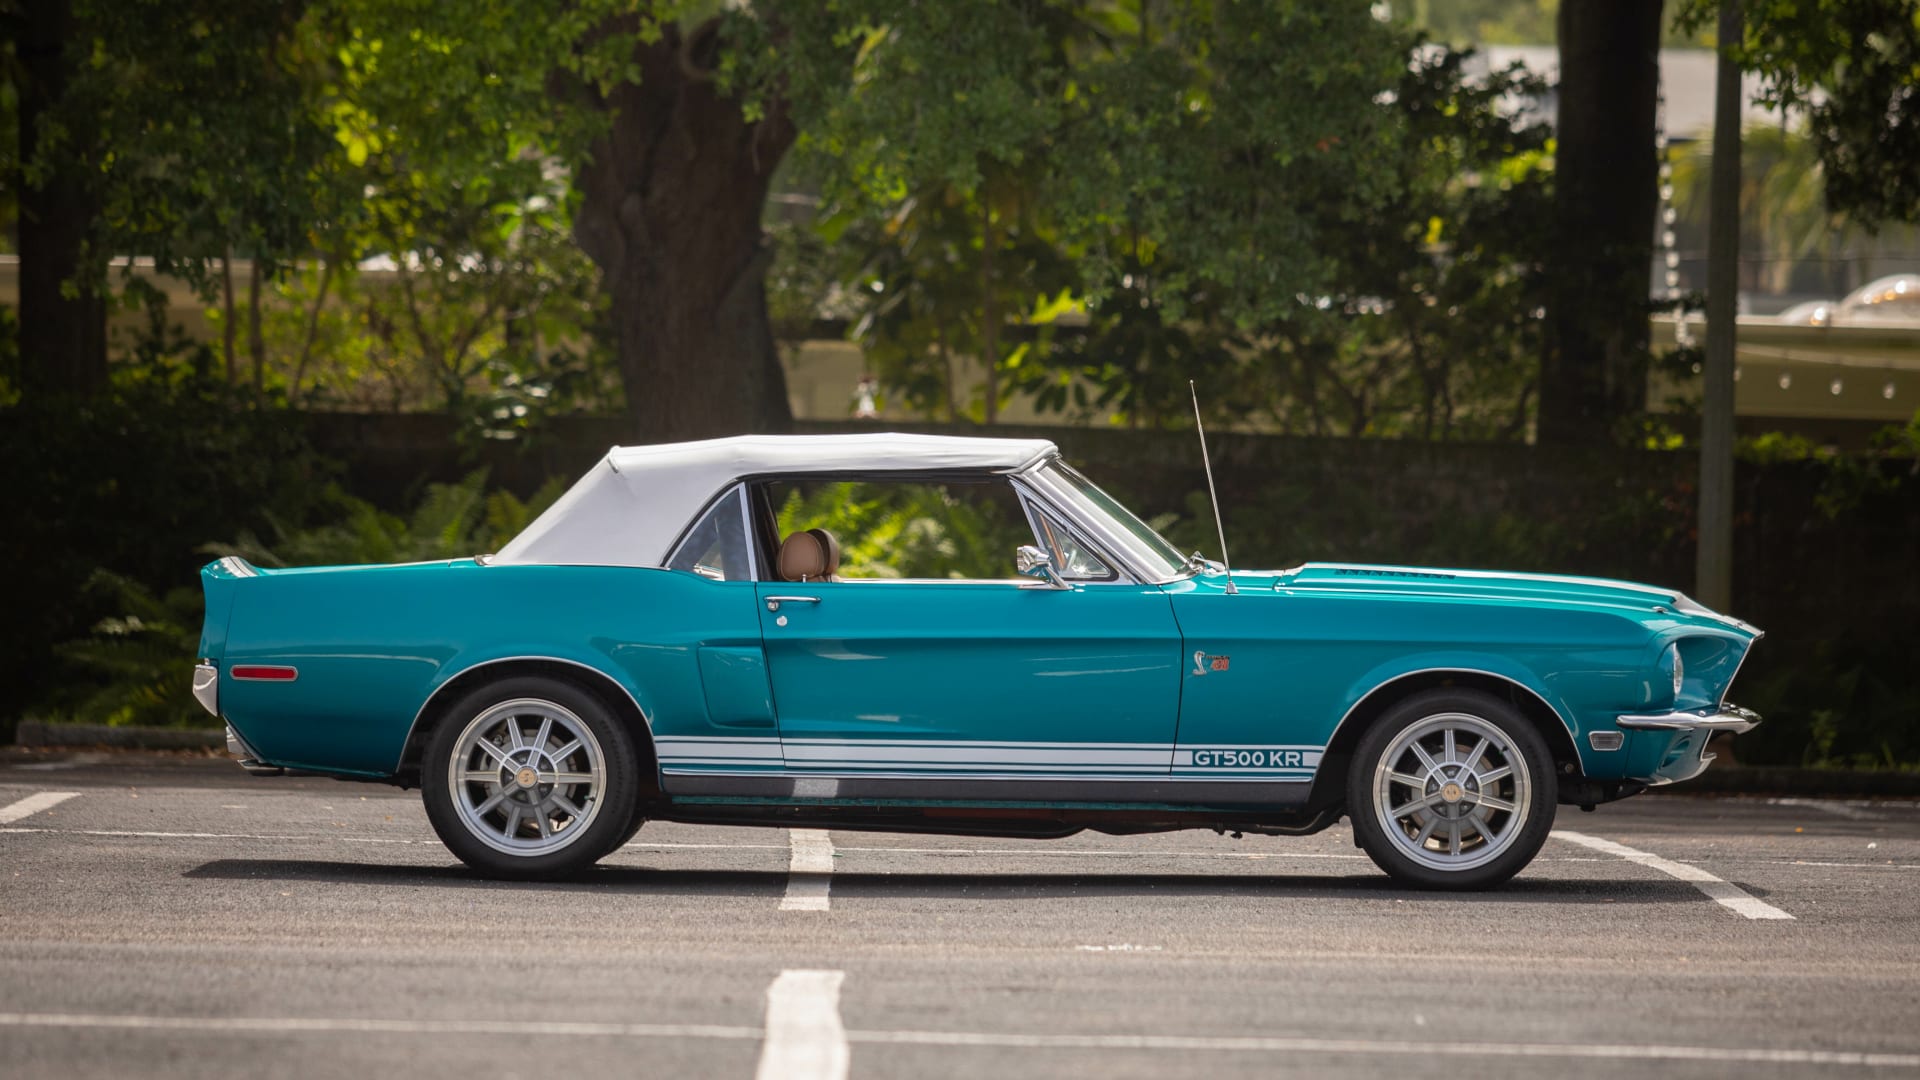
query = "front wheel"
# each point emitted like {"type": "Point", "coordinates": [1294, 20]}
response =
{"type": "Point", "coordinates": [1452, 789]}
{"type": "Point", "coordinates": [530, 778]}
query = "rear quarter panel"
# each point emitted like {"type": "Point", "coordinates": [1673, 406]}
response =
{"type": "Point", "coordinates": [372, 644]}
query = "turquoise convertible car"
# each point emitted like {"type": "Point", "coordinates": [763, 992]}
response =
{"type": "Point", "coordinates": [951, 635]}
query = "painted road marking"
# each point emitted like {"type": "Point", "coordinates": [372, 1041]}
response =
{"type": "Point", "coordinates": [293, 1025]}
{"type": "Point", "coordinates": [1830, 806]}
{"type": "Point", "coordinates": [1725, 894]}
{"type": "Point", "coordinates": [805, 1040]}
{"type": "Point", "coordinates": [33, 804]}
{"type": "Point", "coordinates": [809, 870]}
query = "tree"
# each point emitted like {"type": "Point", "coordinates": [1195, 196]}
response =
{"type": "Point", "coordinates": [174, 130]}
{"type": "Point", "coordinates": [63, 314]}
{"type": "Point", "coordinates": [1394, 234]}
{"type": "Point", "coordinates": [1853, 66]}
{"type": "Point", "coordinates": [669, 123]}
{"type": "Point", "coordinates": [1182, 160]}
{"type": "Point", "coordinates": [1593, 369]}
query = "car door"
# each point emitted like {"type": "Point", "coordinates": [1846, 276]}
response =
{"type": "Point", "coordinates": [943, 679]}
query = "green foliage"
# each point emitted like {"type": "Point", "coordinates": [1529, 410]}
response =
{"type": "Point", "coordinates": [131, 665]}
{"type": "Point", "coordinates": [1154, 207]}
{"type": "Point", "coordinates": [450, 522]}
{"type": "Point", "coordinates": [134, 481]}
{"type": "Point", "coordinates": [136, 662]}
{"type": "Point", "coordinates": [1854, 67]}
{"type": "Point", "coordinates": [907, 530]}
{"type": "Point", "coordinates": [1847, 704]}
{"type": "Point", "coordinates": [193, 118]}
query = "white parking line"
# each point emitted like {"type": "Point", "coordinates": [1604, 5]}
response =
{"type": "Point", "coordinates": [294, 1025]}
{"type": "Point", "coordinates": [1723, 893]}
{"type": "Point", "coordinates": [809, 870]}
{"type": "Point", "coordinates": [805, 1040]}
{"type": "Point", "coordinates": [1308, 1045]}
{"type": "Point", "coordinates": [33, 804]}
{"type": "Point", "coordinates": [1830, 806]}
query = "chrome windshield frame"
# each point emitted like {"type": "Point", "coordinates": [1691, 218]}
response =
{"type": "Point", "coordinates": [1047, 487]}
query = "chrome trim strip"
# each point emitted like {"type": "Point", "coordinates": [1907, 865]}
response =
{"type": "Point", "coordinates": [1036, 483]}
{"type": "Point", "coordinates": [746, 526]}
{"type": "Point", "coordinates": [206, 687]}
{"type": "Point", "coordinates": [1742, 662]}
{"type": "Point", "coordinates": [1362, 699]}
{"type": "Point", "coordinates": [1726, 718]}
{"type": "Point", "coordinates": [239, 567]}
{"type": "Point", "coordinates": [451, 679]}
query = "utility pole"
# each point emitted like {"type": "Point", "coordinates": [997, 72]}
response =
{"type": "Point", "coordinates": [1713, 568]}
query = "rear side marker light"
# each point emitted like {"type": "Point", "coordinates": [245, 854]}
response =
{"type": "Point", "coordinates": [264, 672]}
{"type": "Point", "coordinates": [1606, 740]}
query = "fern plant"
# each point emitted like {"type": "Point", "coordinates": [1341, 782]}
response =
{"type": "Point", "coordinates": [136, 661]}
{"type": "Point", "coordinates": [451, 521]}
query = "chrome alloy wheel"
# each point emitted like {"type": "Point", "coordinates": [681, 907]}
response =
{"type": "Point", "coordinates": [1452, 791]}
{"type": "Point", "coordinates": [527, 777]}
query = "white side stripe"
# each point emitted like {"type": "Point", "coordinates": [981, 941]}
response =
{"type": "Point", "coordinates": [809, 870]}
{"type": "Point", "coordinates": [33, 804]}
{"type": "Point", "coordinates": [805, 1039]}
{"type": "Point", "coordinates": [1725, 894]}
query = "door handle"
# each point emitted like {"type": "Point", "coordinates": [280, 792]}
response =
{"type": "Point", "coordinates": [774, 602]}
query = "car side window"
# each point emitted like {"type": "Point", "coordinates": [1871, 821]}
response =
{"type": "Point", "coordinates": [717, 547]}
{"type": "Point", "coordinates": [1074, 560]}
{"type": "Point", "coordinates": [920, 528]}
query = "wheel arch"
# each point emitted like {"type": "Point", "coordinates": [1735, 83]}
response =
{"type": "Point", "coordinates": [1329, 781]}
{"type": "Point", "coordinates": [613, 693]}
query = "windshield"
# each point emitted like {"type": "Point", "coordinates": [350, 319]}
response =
{"type": "Point", "coordinates": [1148, 548]}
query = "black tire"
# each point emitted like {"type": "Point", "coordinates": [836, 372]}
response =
{"type": "Point", "coordinates": [511, 840]}
{"type": "Point", "coordinates": [1483, 844]}
{"type": "Point", "coordinates": [632, 830]}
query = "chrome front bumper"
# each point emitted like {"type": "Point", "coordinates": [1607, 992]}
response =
{"type": "Point", "coordinates": [1680, 739]}
{"type": "Point", "coordinates": [1731, 718]}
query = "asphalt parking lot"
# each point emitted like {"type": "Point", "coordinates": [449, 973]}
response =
{"type": "Point", "coordinates": [174, 917]}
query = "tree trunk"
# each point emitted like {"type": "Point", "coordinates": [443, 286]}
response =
{"type": "Point", "coordinates": [671, 203]}
{"type": "Point", "coordinates": [989, 311]}
{"type": "Point", "coordinates": [1593, 374]}
{"type": "Point", "coordinates": [227, 324]}
{"type": "Point", "coordinates": [1713, 557]}
{"type": "Point", "coordinates": [256, 344]}
{"type": "Point", "coordinates": [63, 307]}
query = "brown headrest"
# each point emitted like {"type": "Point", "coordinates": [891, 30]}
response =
{"type": "Point", "coordinates": [803, 557]}
{"type": "Point", "coordinates": [832, 547]}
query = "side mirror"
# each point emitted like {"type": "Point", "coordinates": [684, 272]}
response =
{"type": "Point", "coordinates": [1034, 563]}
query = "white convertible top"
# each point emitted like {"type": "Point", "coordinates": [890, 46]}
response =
{"type": "Point", "coordinates": [629, 509]}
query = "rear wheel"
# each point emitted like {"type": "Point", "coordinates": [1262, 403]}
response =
{"type": "Point", "coordinates": [1452, 789]}
{"type": "Point", "coordinates": [529, 778]}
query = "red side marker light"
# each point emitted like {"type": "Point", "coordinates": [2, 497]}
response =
{"type": "Point", "coordinates": [264, 672]}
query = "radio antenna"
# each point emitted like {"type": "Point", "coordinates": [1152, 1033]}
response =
{"type": "Point", "coordinates": [1212, 494]}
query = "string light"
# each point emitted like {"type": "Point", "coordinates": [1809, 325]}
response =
{"type": "Point", "coordinates": [1669, 216]}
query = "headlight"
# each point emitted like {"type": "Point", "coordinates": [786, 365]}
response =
{"type": "Point", "coordinates": [1678, 667]}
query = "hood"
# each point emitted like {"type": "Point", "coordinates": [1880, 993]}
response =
{"type": "Point", "coordinates": [1482, 585]}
